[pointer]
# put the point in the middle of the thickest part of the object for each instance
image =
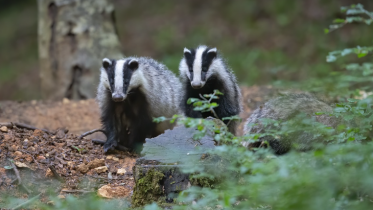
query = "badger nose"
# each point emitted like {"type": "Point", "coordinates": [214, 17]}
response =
{"type": "Point", "coordinates": [196, 85]}
{"type": "Point", "coordinates": [117, 97]}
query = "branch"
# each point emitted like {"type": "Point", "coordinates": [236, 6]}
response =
{"type": "Point", "coordinates": [90, 132]}
{"type": "Point", "coordinates": [55, 174]}
{"type": "Point", "coordinates": [98, 141]}
{"type": "Point", "coordinates": [18, 177]}
{"type": "Point", "coordinates": [77, 191]}
{"type": "Point", "coordinates": [21, 125]}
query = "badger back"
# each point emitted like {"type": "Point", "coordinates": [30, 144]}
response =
{"type": "Point", "coordinates": [161, 87]}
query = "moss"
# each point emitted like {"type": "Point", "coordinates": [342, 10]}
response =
{"type": "Point", "coordinates": [148, 189]}
{"type": "Point", "coordinates": [202, 181]}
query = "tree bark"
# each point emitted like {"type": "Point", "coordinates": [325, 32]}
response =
{"type": "Point", "coordinates": [74, 37]}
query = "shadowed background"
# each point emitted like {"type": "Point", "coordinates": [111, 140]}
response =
{"type": "Point", "coordinates": [262, 41]}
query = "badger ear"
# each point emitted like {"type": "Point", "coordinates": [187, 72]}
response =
{"type": "Point", "coordinates": [133, 64]}
{"type": "Point", "coordinates": [106, 63]}
{"type": "Point", "coordinates": [212, 52]}
{"type": "Point", "coordinates": [187, 52]}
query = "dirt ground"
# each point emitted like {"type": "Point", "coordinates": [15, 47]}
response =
{"type": "Point", "coordinates": [59, 160]}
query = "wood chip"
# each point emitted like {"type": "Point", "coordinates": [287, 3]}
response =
{"type": "Point", "coordinates": [101, 169]}
{"type": "Point", "coordinates": [121, 171]}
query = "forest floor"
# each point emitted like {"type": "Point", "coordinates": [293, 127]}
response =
{"type": "Point", "coordinates": [59, 160]}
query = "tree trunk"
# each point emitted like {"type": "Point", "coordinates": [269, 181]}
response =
{"type": "Point", "coordinates": [74, 37]}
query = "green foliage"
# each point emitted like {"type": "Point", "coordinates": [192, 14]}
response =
{"type": "Point", "coordinates": [334, 174]}
{"type": "Point", "coordinates": [88, 202]}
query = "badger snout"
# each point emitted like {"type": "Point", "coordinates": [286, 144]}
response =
{"type": "Point", "coordinates": [196, 85]}
{"type": "Point", "coordinates": [118, 97]}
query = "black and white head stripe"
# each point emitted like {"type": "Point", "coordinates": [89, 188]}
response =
{"type": "Point", "coordinates": [118, 75]}
{"type": "Point", "coordinates": [198, 62]}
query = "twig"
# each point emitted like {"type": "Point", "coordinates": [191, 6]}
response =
{"type": "Point", "coordinates": [209, 101]}
{"type": "Point", "coordinates": [61, 161]}
{"type": "Point", "coordinates": [91, 132]}
{"type": "Point", "coordinates": [55, 174]}
{"type": "Point", "coordinates": [16, 172]}
{"type": "Point", "coordinates": [98, 141]}
{"type": "Point", "coordinates": [28, 201]}
{"type": "Point", "coordinates": [28, 127]}
{"type": "Point", "coordinates": [97, 177]}
{"type": "Point", "coordinates": [18, 177]}
{"type": "Point", "coordinates": [213, 112]}
{"type": "Point", "coordinates": [77, 191]}
{"type": "Point", "coordinates": [200, 95]}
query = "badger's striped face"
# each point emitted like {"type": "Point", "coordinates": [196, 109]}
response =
{"type": "Point", "coordinates": [198, 62]}
{"type": "Point", "coordinates": [116, 74]}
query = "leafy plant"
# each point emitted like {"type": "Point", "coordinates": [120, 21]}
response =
{"type": "Point", "coordinates": [333, 176]}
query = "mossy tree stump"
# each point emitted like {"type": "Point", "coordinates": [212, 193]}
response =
{"type": "Point", "coordinates": [161, 166]}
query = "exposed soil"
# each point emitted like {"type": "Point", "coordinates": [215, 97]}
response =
{"type": "Point", "coordinates": [80, 165]}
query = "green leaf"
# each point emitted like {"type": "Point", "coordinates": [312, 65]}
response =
{"type": "Point", "coordinates": [339, 20]}
{"type": "Point", "coordinates": [192, 100]}
{"type": "Point", "coordinates": [159, 119]}
{"type": "Point", "coordinates": [360, 55]}
{"type": "Point", "coordinates": [217, 92]}
{"type": "Point", "coordinates": [8, 167]}
{"type": "Point", "coordinates": [326, 30]}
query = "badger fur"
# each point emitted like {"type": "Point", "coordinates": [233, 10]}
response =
{"type": "Point", "coordinates": [131, 92]}
{"type": "Point", "coordinates": [285, 108]}
{"type": "Point", "coordinates": [202, 71]}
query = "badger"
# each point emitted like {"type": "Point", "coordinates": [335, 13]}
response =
{"type": "Point", "coordinates": [202, 71]}
{"type": "Point", "coordinates": [131, 92]}
{"type": "Point", "coordinates": [293, 106]}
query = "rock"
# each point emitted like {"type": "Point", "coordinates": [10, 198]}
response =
{"type": "Point", "coordinates": [49, 173]}
{"type": "Point", "coordinates": [65, 101]}
{"type": "Point", "coordinates": [38, 133]}
{"type": "Point", "coordinates": [21, 165]}
{"type": "Point", "coordinates": [115, 159]}
{"type": "Point", "coordinates": [101, 169]}
{"type": "Point", "coordinates": [4, 129]}
{"type": "Point", "coordinates": [83, 168]}
{"type": "Point", "coordinates": [96, 163]}
{"type": "Point", "coordinates": [109, 157]}
{"type": "Point", "coordinates": [104, 192]}
{"type": "Point", "coordinates": [29, 159]}
{"type": "Point", "coordinates": [13, 148]}
{"type": "Point", "coordinates": [60, 134]}
{"type": "Point", "coordinates": [17, 153]}
{"type": "Point", "coordinates": [40, 157]}
{"type": "Point", "coordinates": [108, 191]}
{"type": "Point", "coordinates": [7, 137]}
{"type": "Point", "coordinates": [61, 196]}
{"type": "Point", "coordinates": [121, 171]}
